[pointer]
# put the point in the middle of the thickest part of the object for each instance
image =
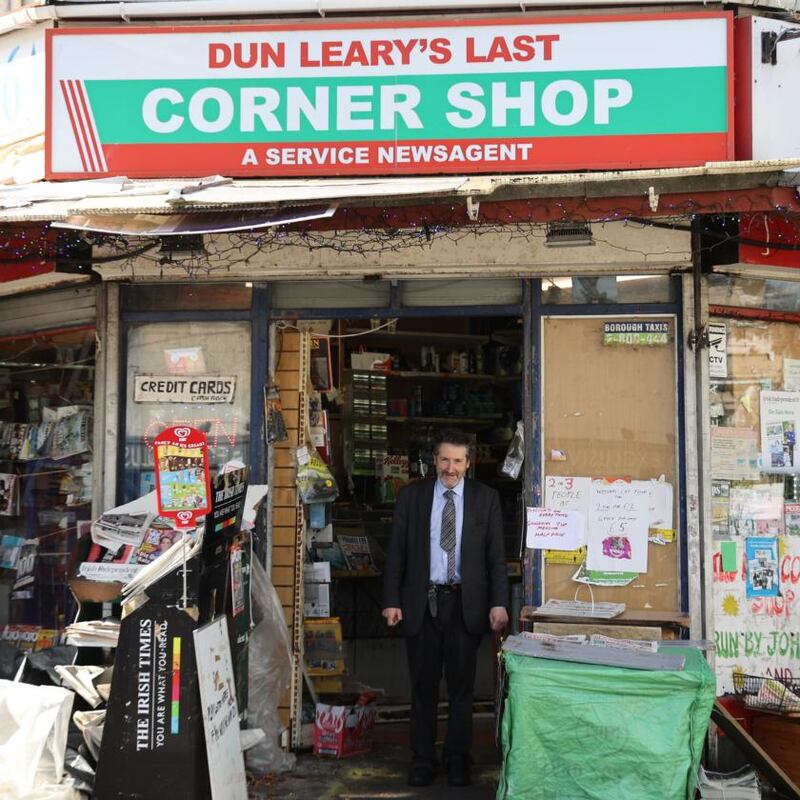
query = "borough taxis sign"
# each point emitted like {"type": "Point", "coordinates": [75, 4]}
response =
{"type": "Point", "coordinates": [457, 96]}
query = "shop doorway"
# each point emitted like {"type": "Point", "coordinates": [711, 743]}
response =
{"type": "Point", "coordinates": [381, 391]}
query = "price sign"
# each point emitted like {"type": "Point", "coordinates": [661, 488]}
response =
{"type": "Point", "coordinates": [182, 479]}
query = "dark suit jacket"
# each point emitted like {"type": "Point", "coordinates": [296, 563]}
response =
{"type": "Point", "coordinates": [484, 575]}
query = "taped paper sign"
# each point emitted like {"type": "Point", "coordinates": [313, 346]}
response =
{"type": "Point", "coordinates": [549, 528]}
{"type": "Point", "coordinates": [567, 493]}
{"type": "Point", "coordinates": [619, 513]}
{"type": "Point", "coordinates": [171, 389]}
{"type": "Point", "coordinates": [734, 454]}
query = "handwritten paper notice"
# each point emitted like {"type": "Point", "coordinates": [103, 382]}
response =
{"type": "Point", "coordinates": [559, 530]}
{"type": "Point", "coordinates": [220, 711]}
{"type": "Point", "coordinates": [567, 493]}
{"type": "Point", "coordinates": [619, 516]}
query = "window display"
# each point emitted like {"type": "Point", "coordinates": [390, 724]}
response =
{"type": "Point", "coordinates": [187, 373]}
{"type": "Point", "coordinates": [46, 403]}
{"type": "Point", "coordinates": [753, 404]}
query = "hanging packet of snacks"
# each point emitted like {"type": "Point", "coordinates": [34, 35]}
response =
{"type": "Point", "coordinates": [315, 482]}
{"type": "Point", "coordinates": [512, 464]}
{"type": "Point", "coordinates": [276, 426]}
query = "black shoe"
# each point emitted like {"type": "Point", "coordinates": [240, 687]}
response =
{"type": "Point", "coordinates": [421, 773]}
{"type": "Point", "coordinates": [458, 770]}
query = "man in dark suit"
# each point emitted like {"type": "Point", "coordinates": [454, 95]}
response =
{"type": "Point", "coordinates": [446, 581]}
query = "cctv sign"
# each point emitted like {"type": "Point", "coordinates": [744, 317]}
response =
{"type": "Point", "coordinates": [434, 96]}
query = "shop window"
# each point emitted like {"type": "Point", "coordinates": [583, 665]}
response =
{"type": "Point", "coordinates": [46, 402]}
{"type": "Point", "coordinates": [608, 289]}
{"type": "Point", "coordinates": [754, 405]}
{"type": "Point", "coordinates": [193, 373]}
{"type": "Point", "coordinates": [740, 291]}
{"type": "Point", "coordinates": [330, 294]}
{"type": "Point", "coordinates": [466, 292]}
{"type": "Point", "coordinates": [187, 297]}
{"type": "Point", "coordinates": [610, 419]}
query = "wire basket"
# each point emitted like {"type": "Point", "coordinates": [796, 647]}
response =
{"type": "Point", "coordinates": [778, 695]}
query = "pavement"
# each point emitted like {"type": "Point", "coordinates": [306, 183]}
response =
{"type": "Point", "coordinates": [381, 774]}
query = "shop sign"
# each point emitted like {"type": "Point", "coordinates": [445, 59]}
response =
{"type": "Point", "coordinates": [169, 389]}
{"type": "Point", "coordinates": [183, 487]}
{"type": "Point", "coordinates": [635, 333]}
{"type": "Point", "coordinates": [400, 97]}
{"type": "Point", "coordinates": [717, 350]}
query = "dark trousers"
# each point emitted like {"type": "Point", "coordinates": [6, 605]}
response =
{"type": "Point", "coordinates": [443, 641]}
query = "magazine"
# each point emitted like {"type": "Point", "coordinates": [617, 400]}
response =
{"type": "Point", "coordinates": [9, 495]}
{"type": "Point", "coordinates": [357, 553]}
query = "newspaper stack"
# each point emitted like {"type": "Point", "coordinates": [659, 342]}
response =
{"type": "Point", "coordinates": [81, 680]}
{"type": "Point", "coordinates": [94, 633]}
{"type": "Point", "coordinates": [579, 608]}
{"type": "Point", "coordinates": [182, 551]}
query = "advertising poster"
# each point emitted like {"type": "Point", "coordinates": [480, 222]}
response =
{"type": "Point", "coordinates": [153, 734]}
{"type": "Point", "coordinates": [780, 421]}
{"type": "Point", "coordinates": [756, 508]}
{"type": "Point", "coordinates": [26, 565]}
{"type": "Point", "coordinates": [761, 554]}
{"type": "Point", "coordinates": [720, 508]}
{"type": "Point", "coordinates": [9, 495]}
{"type": "Point", "coordinates": [791, 515]}
{"type": "Point", "coordinates": [636, 334]}
{"type": "Point", "coordinates": [10, 547]}
{"type": "Point", "coordinates": [618, 526]}
{"type": "Point", "coordinates": [182, 479]}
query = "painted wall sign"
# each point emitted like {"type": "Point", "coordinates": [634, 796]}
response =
{"type": "Point", "coordinates": [757, 635]}
{"type": "Point", "coordinates": [169, 389]}
{"type": "Point", "coordinates": [410, 96]}
{"type": "Point", "coordinates": [183, 486]}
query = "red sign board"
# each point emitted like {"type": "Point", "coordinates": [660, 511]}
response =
{"type": "Point", "coordinates": [183, 485]}
{"type": "Point", "coordinates": [778, 232]}
{"type": "Point", "coordinates": [387, 97]}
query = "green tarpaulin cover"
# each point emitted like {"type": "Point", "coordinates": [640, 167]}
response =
{"type": "Point", "coordinates": [575, 731]}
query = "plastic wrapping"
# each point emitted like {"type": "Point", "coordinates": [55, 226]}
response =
{"type": "Point", "coordinates": [515, 455]}
{"type": "Point", "coordinates": [33, 737]}
{"type": "Point", "coordinates": [315, 481]}
{"type": "Point", "coordinates": [269, 674]}
{"type": "Point", "coordinates": [603, 733]}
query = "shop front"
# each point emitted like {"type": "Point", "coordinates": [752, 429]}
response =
{"type": "Point", "coordinates": [573, 373]}
{"type": "Point", "coordinates": [569, 324]}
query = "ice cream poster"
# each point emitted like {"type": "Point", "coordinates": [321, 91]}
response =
{"type": "Point", "coordinates": [780, 421]}
{"type": "Point", "coordinates": [762, 566]}
{"type": "Point", "coordinates": [618, 525]}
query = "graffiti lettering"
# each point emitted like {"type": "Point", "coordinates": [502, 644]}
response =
{"type": "Point", "coordinates": [790, 570]}
{"type": "Point", "coordinates": [774, 606]}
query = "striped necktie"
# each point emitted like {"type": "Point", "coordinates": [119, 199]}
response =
{"type": "Point", "coordinates": [447, 539]}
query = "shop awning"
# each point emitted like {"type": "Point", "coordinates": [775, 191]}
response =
{"type": "Point", "coordinates": [52, 201]}
{"type": "Point", "coordinates": [188, 223]}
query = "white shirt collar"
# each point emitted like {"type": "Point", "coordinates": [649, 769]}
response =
{"type": "Point", "coordinates": [458, 488]}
